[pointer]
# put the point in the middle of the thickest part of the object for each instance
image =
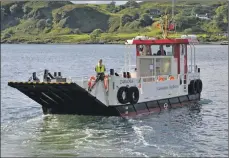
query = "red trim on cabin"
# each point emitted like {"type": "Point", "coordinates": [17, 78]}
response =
{"type": "Point", "coordinates": [161, 41]}
{"type": "Point", "coordinates": [137, 52]}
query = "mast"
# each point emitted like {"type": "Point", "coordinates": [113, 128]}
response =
{"type": "Point", "coordinates": [173, 1]}
{"type": "Point", "coordinates": [173, 21]}
{"type": "Point", "coordinates": [164, 26]}
{"type": "Point", "coordinates": [168, 22]}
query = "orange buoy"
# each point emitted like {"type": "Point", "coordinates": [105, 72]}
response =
{"type": "Point", "coordinates": [171, 78]}
{"type": "Point", "coordinates": [161, 78]}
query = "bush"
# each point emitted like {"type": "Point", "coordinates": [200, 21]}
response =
{"type": "Point", "coordinates": [63, 22]}
{"type": "Point", "coordinates": [96, 33]}
{"type": "Point", "coordinates": [187, 31]}
{"type": "Point", "coordinates": [134, 25]}
{"type": "Point", "coordinates": [47, 29]}
{"type": "Point", "coordinates": [131, 4]}
{"type": "Point", "coordinates": [57, 17]}
{"type": "Point", "coordinates": [136, 16]}
{"type": "Point", "coordinates": [76, 31]}
{"type": "Point", "coordinates": [196, 29]}
{"type": "Point", "coordinates": [10, 31]}
{"type": "Point", "coordinates": [6, 35]}
{"type": "Point", "coordinates": [125, 19]}
{"type": "Point", "coordinates": [146, 20]}
{"type": "Point", "coordinates": [111, 7]}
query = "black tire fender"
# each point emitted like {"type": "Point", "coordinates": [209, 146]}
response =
{"type": "Point", "coordinates": [192, 87]}
{"type": "Point", "coordinates": [199, 86]}
{"type": "Point", "coordinates": [133, 95]}
{"type": "Point", "coordinates": [195, 86]}
{"type": "Point", "coordinates": [121, 99]}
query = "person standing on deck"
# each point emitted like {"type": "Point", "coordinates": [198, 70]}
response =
{"type": "Point", "coordinates": [100, 70]}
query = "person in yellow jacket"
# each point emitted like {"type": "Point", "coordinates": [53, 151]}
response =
{"type": "Point", "coordinates": [100, 70]}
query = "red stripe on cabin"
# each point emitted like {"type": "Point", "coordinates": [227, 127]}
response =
{"type": "Point", "coordinates": [177, 56]}
{"type": "Point", "coordinates": [161, 41]}
{"type": "Point", "coordinates": [137, 52]}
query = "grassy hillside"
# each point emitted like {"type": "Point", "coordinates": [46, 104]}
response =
{"type": "Point", "coordinates": [65, 22]}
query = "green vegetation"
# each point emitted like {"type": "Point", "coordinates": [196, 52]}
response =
{"type": "Point", "coordinates": [65, 22]}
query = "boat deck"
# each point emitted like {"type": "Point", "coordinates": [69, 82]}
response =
{"type": "Point", "coordinates": [63, 98]}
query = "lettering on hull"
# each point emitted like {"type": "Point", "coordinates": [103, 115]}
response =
{"type": "Point", "coordinates": [126, 81]}
{"type": "Point", "coordinates": [167, 87]}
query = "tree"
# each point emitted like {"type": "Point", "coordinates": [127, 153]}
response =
{"type": "Point", "coordinates": [111, 7]}
{"type": "Point", "coordinates": [211, 27]}
{"type": "Point", "coordinates": [125, 19]}
{"type": "Point", "coordinates": [185, 22]}
{"type": "Point", "coordinates": [132, 4]}
{"type": "Point", "coordinates": [121, 7]}
{"type": "Point", "coordinates": [136, 16]}
{"type": "Point", "coordinates": [221, 18]}
{"type": "Point", "coordinates": [187, 31]}
{"type": "Point", "coordinates": [222, 13]}
{"type": "Point", "coordinates": [146, 20]}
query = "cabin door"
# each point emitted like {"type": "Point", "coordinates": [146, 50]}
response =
{"type": "Point", "coordinates": [145, 69]}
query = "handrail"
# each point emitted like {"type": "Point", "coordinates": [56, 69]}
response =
{"type": "Point", "coordinates": [192, 68]}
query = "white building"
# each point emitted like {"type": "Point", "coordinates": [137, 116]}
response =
{"type": "Point", "coordinates": [203, 16]}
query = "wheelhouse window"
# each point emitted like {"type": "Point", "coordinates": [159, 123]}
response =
{"type": "Point", "coordinates": [144, 50]}
{"type": "Point", "coordinates": [148, 50]}
{"type": "Point", "coordinates": [169, 50]}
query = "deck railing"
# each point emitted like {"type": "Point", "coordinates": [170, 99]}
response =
{"type": "Point", "coordinates": [192, 68]}
{"type": "Point", "coordinates": [129, 68]}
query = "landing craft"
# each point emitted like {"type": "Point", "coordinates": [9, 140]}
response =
{"type": "Point", "coordinates": [161, 79]}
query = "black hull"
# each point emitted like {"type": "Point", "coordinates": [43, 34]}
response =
{"type": "Point", "coordinates": [69, 98]}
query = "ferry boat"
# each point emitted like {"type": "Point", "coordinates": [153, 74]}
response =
{"type": "Point", "coordinates": [164, 76]}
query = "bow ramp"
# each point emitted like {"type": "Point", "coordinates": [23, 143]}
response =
{"type": "Point", "coordinates": [64, 98]}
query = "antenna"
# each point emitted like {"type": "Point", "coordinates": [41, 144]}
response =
{"type": "Point", "coordinates": [173, 3]}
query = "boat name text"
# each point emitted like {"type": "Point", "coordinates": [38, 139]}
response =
{"type": "Point", "coordinates": [168, 87]}
{"type": "Point", "coordinates": [126, 81]}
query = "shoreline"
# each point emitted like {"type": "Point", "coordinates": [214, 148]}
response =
{"type": "Point", "coordinates": [101, 43]}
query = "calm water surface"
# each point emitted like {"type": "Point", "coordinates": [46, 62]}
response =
{"type": "Point", "coordinates": [179, 132]}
